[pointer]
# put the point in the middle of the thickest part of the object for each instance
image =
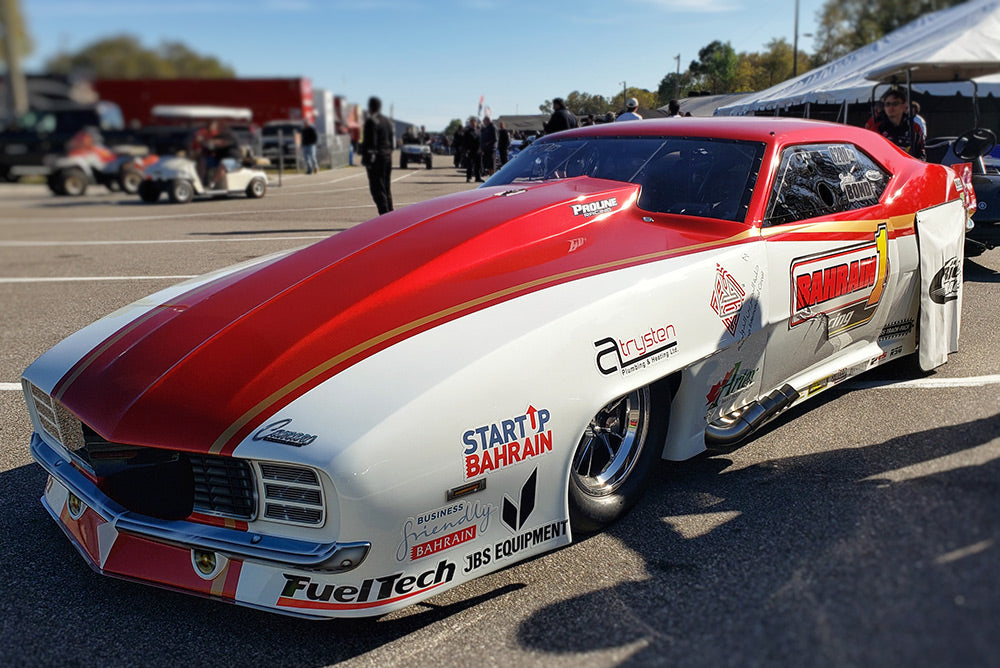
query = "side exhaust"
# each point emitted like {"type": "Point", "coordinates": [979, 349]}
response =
{"type": "Point", "coordinates": [732, 428]}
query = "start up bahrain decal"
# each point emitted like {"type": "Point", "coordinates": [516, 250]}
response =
{"type": "Point", "coordinates": [845, 284]}
{"type": "Point", "coordinates": [498, 445]}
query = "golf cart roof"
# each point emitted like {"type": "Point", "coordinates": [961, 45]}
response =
{"type": "Point", "coordinates": [934, 72]}
{"type": "Point", "coordinates": [202, 112]}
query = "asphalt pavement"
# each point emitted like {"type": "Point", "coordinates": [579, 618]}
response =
{"type": "Point", "coordinates": [862, 529]}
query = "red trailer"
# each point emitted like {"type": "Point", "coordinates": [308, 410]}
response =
{"type": "Point", "coordinates": [269, 99]}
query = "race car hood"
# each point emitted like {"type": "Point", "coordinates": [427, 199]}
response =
{"type": "Point", "coordinates": [200, 372]}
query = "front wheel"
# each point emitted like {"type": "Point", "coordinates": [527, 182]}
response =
{"type": "Point", "coordinates": [256, 189]}
{"type": "Point", "coordinates": [73, 182]}
{"type": "Point", "coordinates": [611, 463]}
{"type": "Point", "coordinates": [181, 191]}
{"type": "Point", "coordinates": [129, 179]}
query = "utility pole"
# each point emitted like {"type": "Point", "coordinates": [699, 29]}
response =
{"type": "Point", "coordinates": [677, 79]}
{"type": "Point", "coordinates": [795, 43]}
{"type": "Point", "coordinates": [624, 93]}
{"type": "Point", "coordinates": [17, 89]}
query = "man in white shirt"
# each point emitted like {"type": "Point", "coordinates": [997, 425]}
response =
{"type": "Point", "coordinates": [629, 114]}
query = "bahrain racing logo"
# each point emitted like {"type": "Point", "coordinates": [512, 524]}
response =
{"type": "Point", "coordinates": [495, 446]}
{"type": "Point", "coordinates": [727, 299]}
{"type": "Point", "coordinates": [846, 284]}
{"type": "Point", "coordinates": [594, 208]}
{"type": "Point", "coordinates": [946, 282]}
{"type": "Point", "coordinates": [636, 352]}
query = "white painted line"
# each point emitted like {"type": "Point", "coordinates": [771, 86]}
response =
{"type": "Point", "coordinates": [318, 192]}
{"type": "Point", "coordinates": [10, 387]}
{"type": "Point", "coordinates": [140, 242]}
{"type": "Point", "coordinates": [405, 176]}
{"type": "Point", "coordinates": [178, 216]}
{"type": "Point", "coordinates": [315, 182]}
{"type": "Point", "coordinates": [62, 279]}
{"type": "Point", "coordinates": [923, 383]}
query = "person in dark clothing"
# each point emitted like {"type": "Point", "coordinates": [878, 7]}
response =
{"type": "Point", "coordinates": [503, 143]}
{"type": "Point", "coordinates": [473, 152]}
{"type": "Point", "coordinates": [488, 139]}
{"type": "Point", "coordinates": [458, 145]}
{"type": "Point", "coordinates": [561, 118]}
{"type": "Point", "coordinates": [376, 154]}
{"type": "Point", "coordinates": [897, 126]}
{"type": "Point", "coordinates": [309, 140]}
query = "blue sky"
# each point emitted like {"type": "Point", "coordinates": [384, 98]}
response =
{"type": "Point", "coordinates": [432, 59]}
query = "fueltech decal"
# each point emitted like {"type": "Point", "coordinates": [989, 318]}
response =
{"type": "Point", "coordinates": [301, 591]}
{"type": "Point", "coordinates": [442, 529]}
{"type": "Point", "coordinates": [846, 285]}
{"type": "Point", "coordinates": [636, 352]}
{"type": "Point", "coordinates": [727, 298]}
{"type": "Point", "coordinates": [495, 446]}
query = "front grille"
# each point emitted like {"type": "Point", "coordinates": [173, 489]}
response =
{"type": "Point", "coordinates": [223, 486]}
{"type": "Point", "coordinates": [292, 494]}
{"type": "Point", "coordinates": [57, 421]}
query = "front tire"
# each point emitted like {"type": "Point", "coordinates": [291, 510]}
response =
{"type": "Point", "coordinates": [611, 464]}
{"type": "Point", "coordinates": [149, 192]}
{"type": "Point", "coordinates": [72, 182]}
{"type": "Point", "coordinates": [256, 189]}
{"type": "Point", "coordinates": [402, 162]}
{"type": "Point", "coordinates": [130, 179]}
{"type": "Point", "coordinates": [181, 191]}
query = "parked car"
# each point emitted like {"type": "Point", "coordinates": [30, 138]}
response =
{"type": "Point", "coordinates": [474, 380]}
{"type": "Point", "coordinates": [279, 140]}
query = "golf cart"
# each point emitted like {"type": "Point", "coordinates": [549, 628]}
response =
{"type": "Point", "coordinates": [414, 150]}
{"type": "Point", "coordinates": [88, 162]}
{"type": "Point", "coordinates": [218, 165]}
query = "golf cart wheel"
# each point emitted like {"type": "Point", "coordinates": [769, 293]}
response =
{"type": "Point", "coordinates": [129, 179]}
{"type": "Point", "coordinates": [181, 191]}
{"type": "Point", "coordinates": [402, 162]}
{"type": "Point", "coordinates": [148, 192]}
{"type": "Point", "coordinates": [430, 162]}
{"type": "Point", "coordinates": [256, 189]}
{"type": "Point", "coordinates": [72, 181]}
{"type": "Point", "coordinates": [55, 184]}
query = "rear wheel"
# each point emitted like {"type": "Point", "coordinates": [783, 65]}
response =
{"type": "Point", "coordinates": [430, 161]}
{"type": "Point", "coordinates": [181, 191]}
{"type": "Point", "coordinates": [129, 179]}
{"type": "Point", "coordinates": [402, 161]}
{"type": "Point", "coordinates": [612, 461]}
{"type": "Point", "coordinates": [256, 189]}
{"type": "Point", "coordinates": [73, 181]}
{"type": "Point", "coordinates": [55, 184]}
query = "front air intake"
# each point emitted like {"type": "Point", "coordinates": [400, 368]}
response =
{"type": "Point", "coordinates": [292, 495]}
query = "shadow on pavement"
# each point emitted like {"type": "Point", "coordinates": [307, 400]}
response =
{"type": "Point", "coordinates": [836, 558]}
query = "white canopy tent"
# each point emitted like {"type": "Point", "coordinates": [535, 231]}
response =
{"type": "Point", "coordinates": [950, 45]}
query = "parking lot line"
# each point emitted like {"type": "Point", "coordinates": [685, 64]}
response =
{"type": "Point", "coordinates": [142, 242]}
{"type": "Point", "coordinates": [62, 279]}
{"type": "Point", "coordinates": [178, 216]}
{"type": "Point", "coordinates": [923, 383]}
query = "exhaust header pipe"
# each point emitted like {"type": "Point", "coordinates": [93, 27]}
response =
{"type": "Point", "coordinates": [734, 427]}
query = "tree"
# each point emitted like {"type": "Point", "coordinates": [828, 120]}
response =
{"type": "Point", "coordinates": [757, 71]}
{"type": "Point", "coordinates": [673, 86]}
{"type": "Point", "coordinates": [647, 99]}
{"type": "Point", "coordinates": [580, 103]}
{"type": "Point", "coordinates": [124, 57]}
{"type": "Point", "coordinates": [846, 25]}
{"type": "Point", "coordinates": [715, 67]}
{"type": "Point", "coordinates": [453, 126]}
{"type": "Point", "coordinates": [17, 25]}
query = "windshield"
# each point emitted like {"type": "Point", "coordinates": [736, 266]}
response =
{"type": "Point", "coordinates": [694, 176]}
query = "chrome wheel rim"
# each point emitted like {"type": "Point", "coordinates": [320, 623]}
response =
{"type": "Point", "coordinates": [611, 444]}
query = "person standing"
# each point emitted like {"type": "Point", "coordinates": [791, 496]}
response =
{"type": "Point", "coordinates": [488, 139]}
{"type": "Point", "coordinates": [673, 109]}
{"type": "Point", "coordinates": [630, 111]}
{"type": "Point", "coordinates": [917, 118]}
{"type": "Point", "coordinates": [458, 145]}
{"type": "Point", "coordinates": [309, 140]}
{"type": "Point", "coordinates": [561, 118]}
{"type": "Point", "coordinates": [376, 154]}
{"type": "Point", "coordinates": [503, 143]}
{"type": "Point", "coordinates": [473, 152]}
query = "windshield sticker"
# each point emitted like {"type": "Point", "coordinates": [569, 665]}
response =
{"type": "Point", "coordinates": [843, 155]}
{"type": "Point", "coordinates": [856, 191]}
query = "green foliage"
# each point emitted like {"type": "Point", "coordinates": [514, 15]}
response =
{"type": "Point", "coordinates": [24, 44]}
{"type": "Point", "coordinates": [715, 69]}
{"type": "Point", "coordinates": [124, 57]}
{"type": "Point", "coordinates": [647, 99]}
{"type": "Point", "coordinates": [846, 25]}
{"type": "Point", "coordinates": [673, 86]}
{"type": "Point", "coordinates": [757, 71]}
{"type": "Point", "coordinates": [453, 126]}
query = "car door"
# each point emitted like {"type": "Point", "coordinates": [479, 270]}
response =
{"type": "Point", "coordinates": [830, 254]}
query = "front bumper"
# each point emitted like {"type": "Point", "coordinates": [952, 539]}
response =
{"type": "Point", "coordinates": [120, 542]}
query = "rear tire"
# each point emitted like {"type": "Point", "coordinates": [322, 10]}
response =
{"type": "Point", "coordinates": [181, 191]}
{"type": "Point", "coordinates": [430, 162]}
{"type": "Point", "coordinates": [256, 189]}
{"type": "Point", "coordinates": [148, 192]}
{"type": "Point", "coordinates": [611, 464]}
{"type": "Point", "coordinates": [402, 162]}
{"type": "Point", "coordinates": [55, 184]}
{"type": "Point", "coordinates": [130, 179]}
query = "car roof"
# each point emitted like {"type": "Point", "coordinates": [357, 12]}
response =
{"type": "Point", "coordinates": [767, 129]}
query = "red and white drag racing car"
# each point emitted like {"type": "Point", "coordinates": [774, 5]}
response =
{"type": "Point", "coordinates": [459, 385]}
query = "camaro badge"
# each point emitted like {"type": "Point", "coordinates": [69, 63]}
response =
{"type": "Point", "coordinates": [276, 433]}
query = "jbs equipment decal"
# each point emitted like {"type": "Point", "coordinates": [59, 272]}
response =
{"type": "Point", "coordinates": [636, 352]}
{"type": "Point", "coordinates": [727, 298]}
{"type": "Point", "coordinates": [734, 381]}
{"type": "Point", "coordinates": [495, 446]}
{"type": "Point", "coordinates": [846, 284]}
{"type": "Point", "coordinates": [301, 591]}
{"type": "Point", "coordinates": [594, 208]}
{"type": "Point", "coordinates": [515, 515]}
{"type": "Point", "coordinates": [443, 528]}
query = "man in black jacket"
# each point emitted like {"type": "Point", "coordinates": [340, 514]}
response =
{"type": "Point", "coordinates": [376, 154]}
{"type": "Point", "coordinates": [561, 118]}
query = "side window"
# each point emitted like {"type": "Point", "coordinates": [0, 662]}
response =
{"type": "Point", "coordinates": [821, 179]}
